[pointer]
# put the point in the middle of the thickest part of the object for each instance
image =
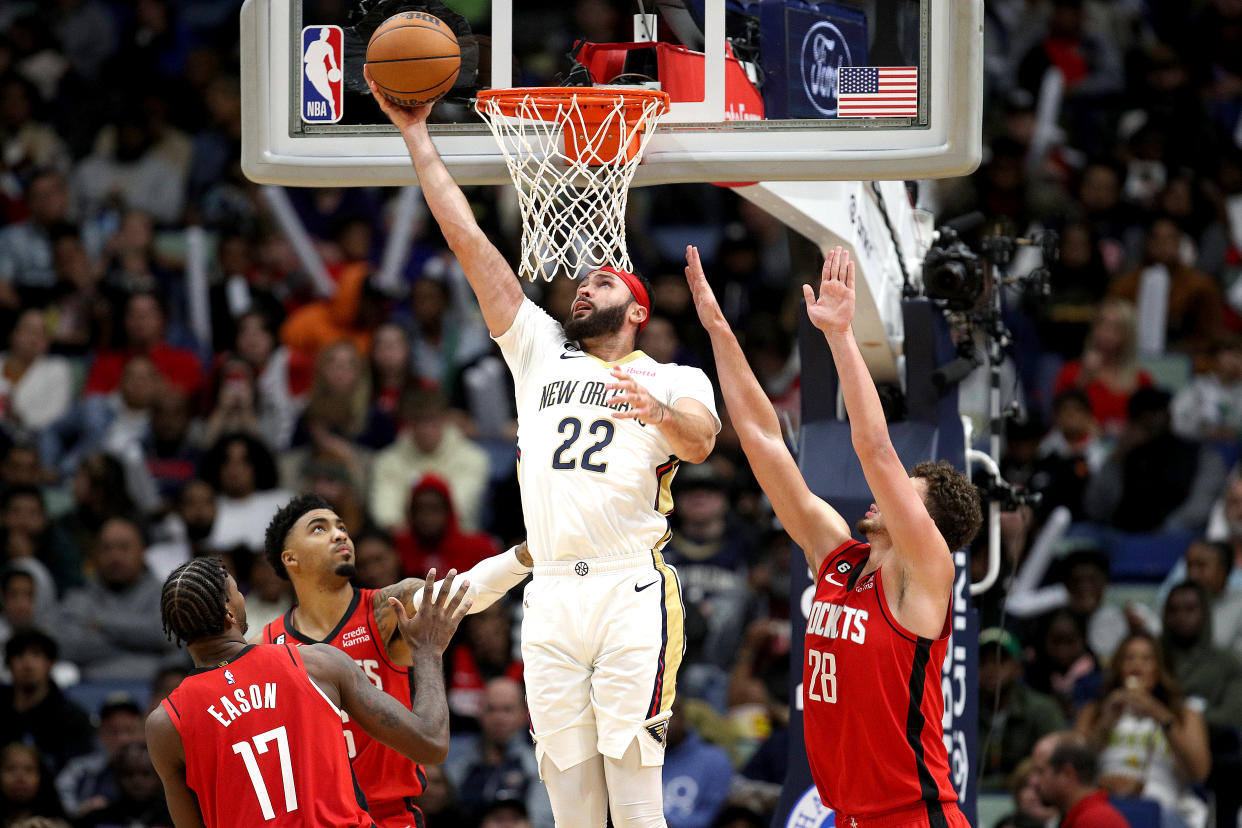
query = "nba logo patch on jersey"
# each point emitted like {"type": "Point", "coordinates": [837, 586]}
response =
{"type": "Point", "coordinates": [228, 676]}
{"type": "Point", "coordinates": [323, 72]}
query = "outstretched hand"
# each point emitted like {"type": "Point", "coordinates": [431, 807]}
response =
{"type": "Point", "coordinates": [437, 618]}
{"type": "Point", "coordinates": [402, 117]}
{"type": "Point", "coordinates": [704, 298]}
{"type": "Point", "coordinates": [833, 311]}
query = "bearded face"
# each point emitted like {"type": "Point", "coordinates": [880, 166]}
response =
{"type": "Point", "coordinates": [597, 322]}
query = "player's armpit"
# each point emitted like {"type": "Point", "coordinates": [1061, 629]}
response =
{"type": "Point", "coordinates": [168, 759]}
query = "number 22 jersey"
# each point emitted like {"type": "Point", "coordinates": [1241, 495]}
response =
{"type": "Point", "coordinates": [871, 698]}
{"type": "Point", "coordinates": [593, 486]}
{"type": "Point", "coordinates": [263, 745]}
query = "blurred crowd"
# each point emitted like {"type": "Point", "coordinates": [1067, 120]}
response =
{"type": "Point", "coordinates": [149, 417]}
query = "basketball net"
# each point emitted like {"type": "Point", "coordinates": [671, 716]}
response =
{"type": "Point", "coordinates": [572, 153]}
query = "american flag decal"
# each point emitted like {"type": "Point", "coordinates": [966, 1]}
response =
{"type": "Point", "coordinates": [877, 91]}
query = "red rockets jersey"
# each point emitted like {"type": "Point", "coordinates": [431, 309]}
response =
{"type": "Point", "coordinates": [386, 777]}
{"type": "Point", "coordinates": [263, 745]}
{"type": "Point", "coordinates": [871, 697]}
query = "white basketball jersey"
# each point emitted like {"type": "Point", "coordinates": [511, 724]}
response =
{"type": "Point", "coordinates": [592, 486]}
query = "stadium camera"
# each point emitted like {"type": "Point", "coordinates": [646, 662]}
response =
{"type": "Point", "coordinates": [953, 274]}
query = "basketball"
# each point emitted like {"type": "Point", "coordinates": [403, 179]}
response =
{"type": "Point", "coordinates": [334, 75]}
{"type": "Point", "coordinates": [414, 58]}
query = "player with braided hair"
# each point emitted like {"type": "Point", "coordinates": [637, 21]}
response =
{"type": "Point", "coordinates": [265, 721]}
{"type": "Point", "coordinates": [308, 545]}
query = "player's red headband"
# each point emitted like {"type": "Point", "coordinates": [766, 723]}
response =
{"type": "Point", "coordinates": [636, 289]}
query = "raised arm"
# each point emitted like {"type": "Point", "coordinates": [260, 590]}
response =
{"type": "Point", "coordinates": [421, 734]}
{"type": "Point", "coordinates": [490, 276]}
{"type": "Point", "coordinates": [168, 759]}
{"type": "Point", "coordinates": [918, 545]}
{"type": "Point", "coordinates": [812, 523]}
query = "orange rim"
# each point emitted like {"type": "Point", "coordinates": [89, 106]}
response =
{"type": "Point", "coordinates": [549, 101]}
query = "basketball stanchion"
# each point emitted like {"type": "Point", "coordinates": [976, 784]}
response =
{"type": "Point", "coordinates": [572, 153]}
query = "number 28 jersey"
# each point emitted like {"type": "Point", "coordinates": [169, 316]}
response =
{"type": "Point", "coordinates": [871, 698]}
{"type": "Point", "coordinates": [592, 486]}
{"type": "Point", "coordinates": [263, 745]}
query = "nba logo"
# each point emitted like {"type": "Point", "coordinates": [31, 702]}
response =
{"type": "Point", "coordinates": [228, 676]}
{"type": "Point", "coordinates": [322, 73]}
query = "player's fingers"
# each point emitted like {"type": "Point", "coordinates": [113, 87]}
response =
{"type": "Point", "coordinates": [849, 275]}
{"type": "Point", "coordinates": [462, 611]}
{"type": "Point", "coordinates": [631, 414]}
{"type": "Point", "coordinates": [446, 588]}
{"type": "Point", "coordinates": [462, 590]}
{"type": "Point", "coordinates": [808, 293]}
{"type": "Point", "coordinates": [429, 586]}
{"type": "Point", "coordinates": [403, 617]}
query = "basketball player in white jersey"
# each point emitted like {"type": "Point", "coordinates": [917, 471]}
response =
{"type": "Point", "coordinates": [601, 429]}
{"type": "Point", "coordinates": [321, 68]}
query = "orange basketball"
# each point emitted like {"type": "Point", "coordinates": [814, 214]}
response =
{"type": "Point", "coordinates": [414, 58]}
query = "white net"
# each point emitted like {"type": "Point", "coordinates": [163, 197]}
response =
{"type": "Point", "coordinates": [572, 153]}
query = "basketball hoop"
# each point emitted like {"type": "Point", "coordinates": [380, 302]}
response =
{"type": "Point", "coordinates": [572, 152]}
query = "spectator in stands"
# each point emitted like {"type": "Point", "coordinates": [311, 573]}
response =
{"type": "Point", "coordinates": [141, 800]}
{"type": "Point", "coordinates": [187, 529]}
{"type": "Point", "coordinates": [1077, 282]}
{"type": "Point", "coordinates": [754, 698]}
{"type": "Point", "coordinates": [26, 793]}
{"type": "Point", "coordinates": [482, 653]}
{"type": "Point", "coordinates": [711, 548]}
{"type": "Point", "coordinates": [498, 763]}
{"type": "Point", "coordinates": [1070, 783]}
{"type": "Point", "coordinates": [127, 165]}
{"type": "Point", "coordinates": [1012, 716]}
{"type": "Point", "coordinates": [438, 801]}
{"type": "Point", "coordinates": [129, 257]}
{"type": "Point", "coordinates": [695, 774]}
{"type": "Point", "coordinates": [89, 782]}
{"type": "Point", "coordinates": [1107, 372]}
{"type": "Point", "coordinates": [282, 377]}
{"type": "Point", "coordinates": [1068, 454]}
{"type": "Point", "coordinates": [165, 681]}
{"type": "Point", "coordinates": [1154, 479]}
{"type": "Point", "coordinates": [144, 323]}
{"type": "Point", "coordinates": [29, 144]}
{"type": "Point", "coordinates": [392, 370]}
{"type": "Point", "coordinates": [35, 389]}
{"type": "Point", "coordinates": [1087, 576]}
{"type": "Point", "coordinates": [429, 443]}
{"type": "Point", "coordinates": [1210, 407]}
{"type": "Point", "coordinates": [432, 537]}
{"type": "Point", "coordinates": [351, 314]}
{"type": "Point", "coordinates": [17, 599]}
{"type": "Point", "coordinates": [1030, 811]}
{"type": "Point", "coordinates": [243, 473]}
{"type": "Point", "coordinates": [1203, 670]}
{"type": "Point", "coordinates": [1209, 565]}
{"type": "Point", "coordinates": [505, 813]}
{"type": "Point", "coordinates": [29, 535]}
{"type": "Point", "coordinates": [1062, 659]}
{"type": "Point", "coordinates": [81, 307]}
{"type": "Point", "coordinates": [447, 334]}
{"type": "Point", "coordinates": [99, 493]}
{"type": "Point", "coordinates": [231, 401]}
{"type": "Point", "coordinates": [26, 246]}
{"type": "Point", "coordinates": [269, 596]}
{"type": "Point", "coordinates": [1153, 744]}
{"type": "Point", "coordinates": [376, 559]}
{"type": "Point", "coordinates": [110, 627]}
{"type": "Point", "coordinates": [171, 447]}
{"type": "Point", "coordinates": [1193, 306]}
{"type": "Point", "coordinates": [339, 419]}
{"type": "Point", "coordinates": [33, 709]}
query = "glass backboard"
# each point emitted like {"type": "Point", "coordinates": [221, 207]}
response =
{"type": "Point", "coordinates": [763, 90]}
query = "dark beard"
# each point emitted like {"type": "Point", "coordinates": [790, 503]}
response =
{"type": "Point", "coordinates": [599, 322]}
{"type": "Point", "coordinates": [345, 570]}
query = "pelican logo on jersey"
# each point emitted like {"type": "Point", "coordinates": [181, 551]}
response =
{"type": "Point", "coordinates": [824, 52]}
{"type": "Point", "coordinates": [243, 701]}
{"type": "Point", "coordinates": [355, 636]}
{"type": "Point", "coordinates": [658, 731]}
{"type": "Point", "coordinates": [837, 621]}
{"type": "Point", "coordinates": [323, 67]}
{"type": "Point", "coordinates": [228, 676]}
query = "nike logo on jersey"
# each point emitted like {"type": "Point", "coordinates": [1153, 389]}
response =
{"type": "Point", "coordinates": [572, 356]}
{"type": "Point", "coordinates": [638, 588]}
{"type": "Point", "coordinates": [842, 568]}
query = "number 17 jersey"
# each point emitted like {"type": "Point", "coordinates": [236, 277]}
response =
{"type": "Point", "coordinates": [593, 486]}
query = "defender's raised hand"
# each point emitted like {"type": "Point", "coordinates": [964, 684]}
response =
{"type": "Point", "coordinates": [402, 117]}
{"type": "Point", "coordinates": [833, 311]}
{"type": "Point", "coordinates": [433, 625]}
{"type": "Point", "coordinates": [704, 298]}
